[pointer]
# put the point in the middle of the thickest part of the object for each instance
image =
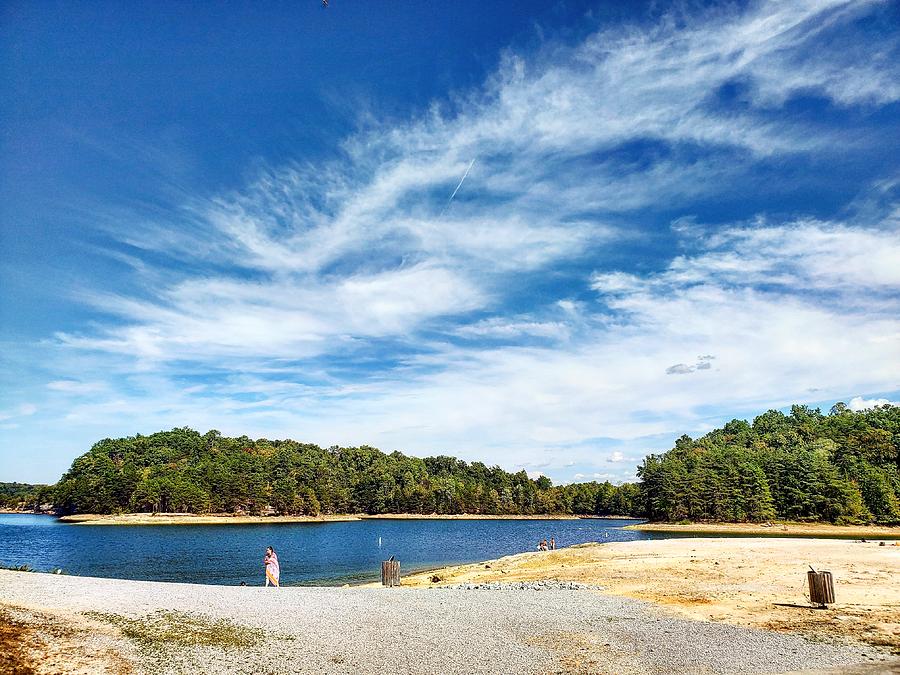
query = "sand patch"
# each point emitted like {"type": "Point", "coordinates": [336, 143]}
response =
{"type": "Point", "coordinates": [39, 642]}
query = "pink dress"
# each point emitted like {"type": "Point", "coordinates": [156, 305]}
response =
{"type": "Point", "coordinates": [272, 569]}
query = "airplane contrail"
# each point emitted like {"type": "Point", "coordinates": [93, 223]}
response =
{"type": "Point", "coordinates": [461, 180]}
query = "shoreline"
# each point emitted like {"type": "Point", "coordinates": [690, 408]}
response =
{"type": "Point", "coordinates": [192, 519]}
{"type": "Point", "coordinates": [228, 519]}
{"type": "Point", "coordinates": [773, 529]}
{"type": "Point", "coordinates": [466, 516]}
{"type": "Point", "coordinates": [29, 513]}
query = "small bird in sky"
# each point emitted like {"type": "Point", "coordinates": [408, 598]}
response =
{"type": "Point", "coordinates": [324, 3]}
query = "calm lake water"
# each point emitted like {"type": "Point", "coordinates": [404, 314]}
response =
{"type": "Point", "coordinates": [310, 553]}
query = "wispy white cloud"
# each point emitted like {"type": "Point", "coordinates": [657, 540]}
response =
{"type": "Point", "coordinates": [22, 410]}
{"type": "Point", "coordinates": [514, 327]}
{"type": "Point", "coordinates": [528, 126]}
{"type": "Point", "coordinates": [329, 239]}
{"type": "Point", "coordinates": [805, 254]}
{"type": "Point", "coordinates": [75, 386]}
{"type": "Point", "coordinates": [510, 402]}
{"type": "Point", "coordinates": [213, 318]}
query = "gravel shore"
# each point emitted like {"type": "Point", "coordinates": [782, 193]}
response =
{"type": "Point", "coordinates": [748, 582]}
{"type": "Point", "coordinates": [526, 629]}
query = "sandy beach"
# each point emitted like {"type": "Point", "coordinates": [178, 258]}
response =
{"type": "Point", "coordinates": [466, 516]}
{"type": "Point", "coordinates": [194, 519]}
{"type": "Point", "coordinates": [776, 529]}
{"type": "Point", "coordinates": [228, 519]}
{"type": "Point", "coordinates": [773, 529]}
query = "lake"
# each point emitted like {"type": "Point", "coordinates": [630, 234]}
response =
{"type": "Point", "coordinates": [310, 553]}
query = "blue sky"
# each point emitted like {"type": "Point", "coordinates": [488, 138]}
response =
{"type": "Point", "coordinates": [552, 236]}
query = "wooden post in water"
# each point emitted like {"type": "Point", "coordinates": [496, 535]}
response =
{"type": "Point", "coordinates": [821, 587]}
{"type": "Point", "coordinates": [390, 572]}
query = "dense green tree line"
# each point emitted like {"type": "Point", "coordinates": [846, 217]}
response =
{"type": "Point", "coordinates": [843, 467]}
{"type": "Point", "coordinates": [184, 471]}
{"type": "Point", "coordinates": [24, 495]}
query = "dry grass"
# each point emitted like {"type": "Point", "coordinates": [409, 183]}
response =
{"type": "Point", "coordinates": [165, 629]}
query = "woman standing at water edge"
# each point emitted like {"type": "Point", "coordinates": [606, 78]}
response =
{"type": "Point", "coordinates": [272, 569]}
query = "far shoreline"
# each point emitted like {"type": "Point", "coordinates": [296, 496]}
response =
{"type": "Point", "coordinates": [774, 528]}
{"type": "Point", "coordinates": [229, 519]}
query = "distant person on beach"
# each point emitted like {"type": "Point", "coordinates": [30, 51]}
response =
{"type": "Point", "coordinates": [542, 545]}
{"type": "Point", "coordinates": [272, 569]}
{"type": "Point", "coordinates": [552, 544]}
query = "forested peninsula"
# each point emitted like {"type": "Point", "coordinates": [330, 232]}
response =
{"type": "Point", "coordinates": [842, 467]}
{"type": "Point", "coordinates": [184, 471]}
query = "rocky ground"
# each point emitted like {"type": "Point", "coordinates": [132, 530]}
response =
{"type": "Point", "coordinates": [59, 624]}
{"type": "Point", "coordinates": [759, 583]}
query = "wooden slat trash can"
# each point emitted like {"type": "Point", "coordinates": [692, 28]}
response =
{"type": "Point", "coordinates": [821, 587]}
{"type": "Point", "coordinates": [390, 572]}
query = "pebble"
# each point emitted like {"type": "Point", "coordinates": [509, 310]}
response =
{"type": "Point", "coordinates": [523, 627]}
{"type": "Point", "coordinates": [548, 585]}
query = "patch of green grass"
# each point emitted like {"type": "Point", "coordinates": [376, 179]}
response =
{"type": "Point", "coordinates": [29, 568]}
{"type": "Point", "coordinates": [167, 629]}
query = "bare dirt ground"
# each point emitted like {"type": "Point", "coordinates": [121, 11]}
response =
{"type": "Point", "coordinates": [36, 642]}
